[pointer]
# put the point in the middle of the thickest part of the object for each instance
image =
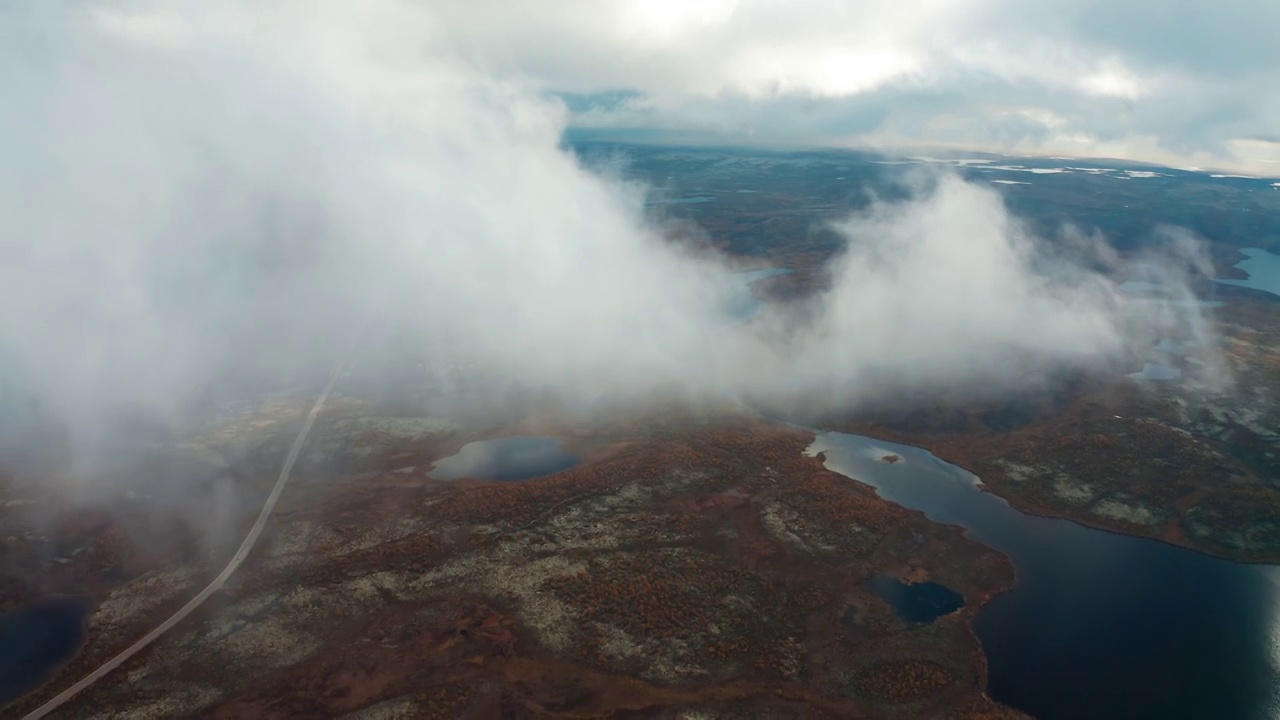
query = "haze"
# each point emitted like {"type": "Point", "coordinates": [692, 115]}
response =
{"type": "Point", "coordinates": [197, 193]}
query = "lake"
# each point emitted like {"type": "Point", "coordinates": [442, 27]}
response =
{"type": "Point", "coordinates": [1099, 625]}
{"type": "Point", "coordinates": [1263, 268]}
{"type": "Point", "coordinates": [506, 459]}
{"type": "Point", "coordinates": [745, 305]}
{"type": "Point", "coordinates": [1155, 371]}
{"type": "Point", "coordinates": [36, 640]}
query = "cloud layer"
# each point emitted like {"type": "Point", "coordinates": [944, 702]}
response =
{"type": "Point", "coordinates": [1179, 83]}
{"type": "Point", "coordinates": [199, 193]}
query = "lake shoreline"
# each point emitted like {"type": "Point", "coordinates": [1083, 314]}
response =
{"type": "Point", "coordinates": [1048, 657]}
{"type": "Point", "coordinates": [944, 450]}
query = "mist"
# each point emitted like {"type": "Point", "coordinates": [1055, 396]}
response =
{"type": "Point", "coordinates": [206, 197]}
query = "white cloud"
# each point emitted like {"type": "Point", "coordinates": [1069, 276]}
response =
{"type": "Point", "coordinates": [1090, 78]}
{"type": "Point", "coordinates": [240, 189]}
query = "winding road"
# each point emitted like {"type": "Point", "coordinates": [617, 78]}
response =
{"type": "Point", "coordinates": [245, 548]}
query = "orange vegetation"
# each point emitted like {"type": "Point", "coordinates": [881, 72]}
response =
{"type": "Point", "coordinates": [698, 566]}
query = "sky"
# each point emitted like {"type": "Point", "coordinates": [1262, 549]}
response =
{"type": "Point", "coordinates": [1175, 82]}
{"type": "Point", "coordinates": [196, 193]}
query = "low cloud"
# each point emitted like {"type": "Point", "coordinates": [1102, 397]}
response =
{"type": "Point", "coordinates": [947, 290]}
{"type": "Point", "coordinates": [203, 198]}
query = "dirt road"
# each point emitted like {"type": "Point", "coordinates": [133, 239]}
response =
{"type": "Point", "coordinates": [245, 548]}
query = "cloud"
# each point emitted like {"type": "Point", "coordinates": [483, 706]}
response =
{"type": "Point", "coordinates": [943, 290]}
{"type": "Point", "coordinates": [1143, 79]}
{"type": "Point", "coordinates": [196, 195]}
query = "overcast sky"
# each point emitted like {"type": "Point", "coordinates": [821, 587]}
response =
{"type": "Point", "coordinates": [1181, 82]}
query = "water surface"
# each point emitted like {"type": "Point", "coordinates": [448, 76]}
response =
{"type": "Point", "coordinates": [506, 459]}
{"type": "Point", "coordinates": [1099, 625]}
{"type": "Point", "coordinates": [918, 602]}
{"type": "Point", "coordinates": [36, 640]}
{"type": "Point", "coordinates": [1155, 371]}
{"type": "Point", "coordinates": [1263, 268]}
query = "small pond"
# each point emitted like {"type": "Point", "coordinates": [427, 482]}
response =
{"type": "Point", "coordinates": [1155, 371]}
{"type": "Point", "coordinates": [36, 640]}
{"type": "Point", "coordinates": [918, 602]}
{"type": "Point", "coordinates": [506, 459]}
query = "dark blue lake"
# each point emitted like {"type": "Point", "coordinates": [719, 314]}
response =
{"type": "Point", "coordinates": [918, 602]}
{"type": "Point", "coordinates": [1099, 625]}
{"type": "Point", "coordinates": [36, 640]}
{"type": "Point", "coordinates": [506, 459]}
